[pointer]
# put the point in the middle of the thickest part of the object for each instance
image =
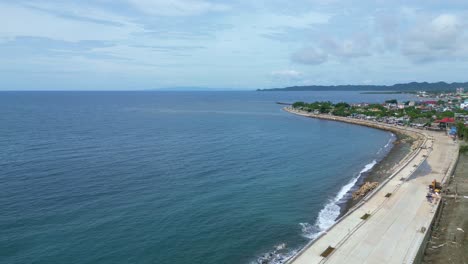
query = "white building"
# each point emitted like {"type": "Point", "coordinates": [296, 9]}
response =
{"type": "Point", "coordinates": [464, 104]}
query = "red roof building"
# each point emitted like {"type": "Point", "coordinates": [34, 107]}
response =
{"type": "Point", "coordinates": [446, 120]}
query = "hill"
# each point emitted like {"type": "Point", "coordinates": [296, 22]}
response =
{"type": "Point", "coordinates": [402, 87]}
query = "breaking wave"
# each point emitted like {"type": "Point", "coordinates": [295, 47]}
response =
{"type": "Point", "coordinates": [326, 218]}
{"type": "Point", "coordinates": [389, 143]}
{"type": "Point", "coordinates": [328, 215]}
{"type": "Point", "coordinates": [279, 255]}
{"type": "Point", "coordinates": [392, 138]}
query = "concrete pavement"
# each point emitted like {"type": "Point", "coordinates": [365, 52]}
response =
{"type": "Point", "coordinates": [397, 224]}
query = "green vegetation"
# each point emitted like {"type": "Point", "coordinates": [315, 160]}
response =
{"type": "Point", "coordinates": [376, 110]}
{"type": "Point", "coordinates": [404, 87]}
{"type": "Point", "coordinates": [462, 131]}
{"type": "Point", "coordinates": [464, 149]}
{"type": "Point", "coordinates": [322, 107]}
{"type": "Point", "coordinates": [406, 113]}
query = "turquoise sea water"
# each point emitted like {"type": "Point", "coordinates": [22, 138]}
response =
{"type": "Point", "coordinates": [171, 177]}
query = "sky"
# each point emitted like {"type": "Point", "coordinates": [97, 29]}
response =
{"type": "Point", "coordinates": [238, 44]}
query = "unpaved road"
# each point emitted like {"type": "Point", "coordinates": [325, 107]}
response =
{"type": "Point", "coordinates": [449, 240]}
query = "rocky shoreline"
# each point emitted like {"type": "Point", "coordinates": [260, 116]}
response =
{"type": "Point", "coordinates": [404, 145]}
{"type": "Point", "coordinates": [401, 148]}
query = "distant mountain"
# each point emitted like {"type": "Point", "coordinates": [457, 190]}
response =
{"type": "Point", "coordinates": [184, 89]}
{"type": "Point", "coordinates": [194, 89]}
{"type": "Point", "coordinates": [402, 87]}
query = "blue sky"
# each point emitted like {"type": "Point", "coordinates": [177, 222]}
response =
{"type": "Point", "coordinates": [150, 44]}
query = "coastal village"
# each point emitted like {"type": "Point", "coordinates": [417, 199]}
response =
{"type": "Point", "coordinates": [435, 168]}
{"type": "Point", "coordinates": [442, 111]}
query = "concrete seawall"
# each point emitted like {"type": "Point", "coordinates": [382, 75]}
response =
{"type": "Point", "coordinates": [439, 207]}
{"type": "Point", "coordinates": [382, 126]}
{"type": "Point", "coordinates": [354, 240]}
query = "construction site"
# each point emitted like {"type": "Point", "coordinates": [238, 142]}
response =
{"type": "Point", "coordinates": [448, 241]}
{"type": "Point", "coordinates": [397, 220]}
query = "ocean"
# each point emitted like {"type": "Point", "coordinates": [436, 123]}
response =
{"type": "Point", "coordinates": [173, 177]}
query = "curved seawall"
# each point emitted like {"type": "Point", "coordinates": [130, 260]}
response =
{"type": "Point", "coordinates": [392, 128]}
{"type": "Point", "coordinates": [389, 224]}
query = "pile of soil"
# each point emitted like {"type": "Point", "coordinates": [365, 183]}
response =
{"type": "Point", "coordinates": [401, 147]}
{"type": "Point", "coordinates": [364, 189]}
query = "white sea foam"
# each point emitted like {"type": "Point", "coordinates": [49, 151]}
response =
{"type": "Point", "coordinates": [328, 215]}
{"type": "Point", "coordinates": [326, 218]}
{"type": "Point", "coordinates": [389, 141]}
{"type": "Point", "coordinates": [278, 255]}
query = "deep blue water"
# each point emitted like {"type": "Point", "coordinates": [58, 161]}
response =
{"type": "Point", "coordinates": [170, 177]}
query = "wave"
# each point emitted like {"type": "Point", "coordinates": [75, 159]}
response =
{"type": "Point", "coordinates": [328, 215]}
{"type": "Point", "coordinates": [389, 143]}
{"type": "Point", "coordinates": [326, 218]}
{"type": "Point", "coordinates": [278, 255]}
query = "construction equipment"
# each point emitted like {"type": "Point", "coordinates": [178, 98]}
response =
{"type": "Point", "coordinates": [435, 186]}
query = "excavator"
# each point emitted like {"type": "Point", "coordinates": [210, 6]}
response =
{"type": "Point", "coordinates": [435, 186]}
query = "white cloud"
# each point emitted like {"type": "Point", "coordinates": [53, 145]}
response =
{"type": "Point", "coordinates": [23, 21]}
{"type": "Point", "coordinates": [440, 38]}
{"type": "Point", "coordinates": [309, 55]}
{"type": "Point", "coordinates": [287, 77]}
{"type": "Point", "coordinates": [331, 48]}
{"type": "Point", "coordinates": [294, 21]}
{"type": "Point", "coordinates": [290, 74]}
{"type": "Point", "coordinates": [419, 36]}
{"type": "Point", "coordinates": [178, 7]}
{"type": "Point", "coordinates": [347, 48]}
{"type": "Point", "coordinates": [200, 42]}
{"type": "Point", "coordinates": [387, 27]}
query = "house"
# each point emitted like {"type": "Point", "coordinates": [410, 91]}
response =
{"type": "Point", "coordinates": [390, 106]}
{"type": "Point", "coordinates": [461, 118]}
{"type": "Point", "coordinates": [422, 94]}
{"type": "Point", "coordinates": [430, 103]}
{"type": "Point", "coordinates": [445, 122]}
{"type": "Point", "coordinates": [464, 105]}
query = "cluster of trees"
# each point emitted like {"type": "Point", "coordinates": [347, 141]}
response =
{"type": "Point", "coordinates": [376, 110]}
{"type": "Point", "coordinates": [323, 107]}
{"type": "Point", "coordinates": [402, 87]}
{"type": "Point", "coordinates": [464, 149]}
{"type": "Point", "coordinates": [462, 131]}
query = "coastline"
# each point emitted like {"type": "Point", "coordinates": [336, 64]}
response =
{"type": "Point", "coordinates": [382, 172]}
{"type": "Point", "coordinates": [382, 126]}
{"type": "Point", "coordinates": [447, 241]}
{"type": "Point", "coordinates": [403, 147]}
{"type": "Point", "coordinates": [391, 223]}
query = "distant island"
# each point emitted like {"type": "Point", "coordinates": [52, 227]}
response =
{"type": "Point", "coordinates": [402, 87]}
